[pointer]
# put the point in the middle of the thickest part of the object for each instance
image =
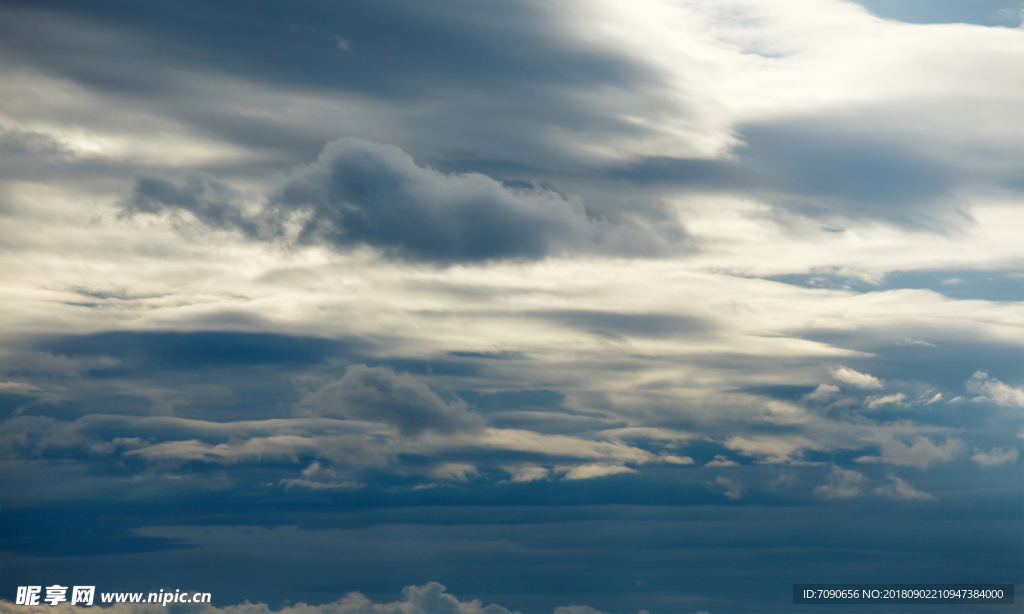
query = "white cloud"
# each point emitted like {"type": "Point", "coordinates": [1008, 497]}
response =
{"type": "Point", "coordinates": [528, 473]}
{"type": "Point", "coordinates": [842, 484]}
{"type": "Point", "coordinates": [995, 457]}
{"type": "Point", "coordinates": [721, 461]}
{"type": "Point", "coordinates": [856, 378]}
{"type": "Point", "coordinates": [923, 453]}
{"type": "Point", "coordinates": [577, 609]}
{"type": "Point", "coordinates": [312, 485]}
{"type": "Point", "coordinates": [991, 389]}
{"type": "Point", "coordinates": [901, 490]}
{"type": "Point", "coordinates": [732, 489]}
{"type": "Point", "coordinates": [889, 399]}
{"type": "Point", "coordinates": [457, 472]}
{"type": "Point", "coordinates": [379, 394]}
{"type": "Point", "coordinates": [822, 393]}
{"type": "Point", "coordinates": [429, 598]}
{"type": "Point", "coordinates": [586, 472]}
{"type": "Point", "coordinates": [773, 449]}
{"type": "Point", "coordinates": [672, 459]}
{"type": "Point", "coordinates": [284, 447]}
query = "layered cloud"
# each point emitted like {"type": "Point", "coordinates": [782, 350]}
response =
{"type": "Point", "coordinates": [380, 395]}
{"type": "Point", "coordinates": [360, 193]}
{"type": "Point", "coordinates": [496, 273]}
{"type": "Point", "coordinates": [430, 598]}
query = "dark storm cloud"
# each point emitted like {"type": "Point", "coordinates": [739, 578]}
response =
{"type": "Point", "coordinates": [475, 59]}
{"type": "Point", "coordinates": [203, 375]}
{"type": "Point", "coordinates": [209, 200]}
{"type": "Point", "coordinates": [378, 394]}
{"type": "Point", "coordinates": [16, 143]}
{"type": "Point", "coordinates": [395, 48]}
{"type": "Point", "coordinates": [362, 193]}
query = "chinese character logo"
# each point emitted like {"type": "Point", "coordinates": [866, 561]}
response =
{"type": "Point", "coordinates": [82, 595]}
{"type": "Point", "coordinates": [56, 594]}
{"type": "Point", "coordinates": [28, 595]}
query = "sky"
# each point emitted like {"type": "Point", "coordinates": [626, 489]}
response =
{"type": "Point", "coordinates": [582, 307]}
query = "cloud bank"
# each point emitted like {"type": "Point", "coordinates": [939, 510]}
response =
{"type": "Point", "coordinates": [360, 193]}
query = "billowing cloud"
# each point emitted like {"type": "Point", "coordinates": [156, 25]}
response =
{"type": "Point", "coordinates": [457, 472]}
{"type": "Point", "coordinates": [822, 393]}
{"type": "Point", "coordinates": [922, 453]}
{"type": "Point", "coordinates": [888, 399]}
{"type": "Point", "coordinates": [730, 487]}
{"type": "Point", "coordinates": [856, 378]}
{"type": "Point", "coordinates": [721, 461]}
{"type": "Point", "coordinates": [378, 394]}
{"type": "Point", "coordinates": [899, 489]}
{"type": "Point", "coordinates": [773, 449]}
{"type": "Point", "coordinates": [586, 472]}
{"type": "Point", "coordinates": [481, 265]}
{"type": "Point", "coordinates": [577, 609]}
{"type": "Point", "coordinates": [989, 388]}
{"type": "Point", "coordinates": [995, 457]}
{"type": "Point", "coordinates": [430, 598]}
{"type": "Point", "coordinates": [361, 193]}
{"type": "Point", "coordinates": [528, 473]}
{"type": "Point", "coordinates": [842, 484]}
{"type": "Point", "coordinates": [210, 201]}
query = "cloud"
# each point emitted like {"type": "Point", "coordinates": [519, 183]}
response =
{"type": "Point", "coordinates": [842, 484]}
{"type": "Point", "coordinates": [586, 472]}
{"type": "Point", "coordinates": [991, 389]}
{"type": "Point", "coordinates": [995, 457]}
{"type": "Point", "coordinates": [923, 453]}
{"type": "Point", "coordinates": [361, 193]}
{"type": "Point", "coordinates": [822, 393]}
{"type": "Point", "coordinates": [576, 609]}
{"type": "Point", "coordinates": [283, 447]}
{"type": "Point", "coordinates": [378, 394]}
{"type": "Point", "coordinates": [773, 449]}
{"type": "Point", "coordinates": [210, 201]}
{"type": "Point", "coordinates": [901, 490]}
{"type": "Point", "coordinates": [358, 192]}
{"type": "Point", "coordinates": [456, 472]}
{"type": "Point", "coordinates": [528, 473]}
{"type": "Point", "coordinates": [889, 399]}
{"type": "Point", "coordinates": [733, 489]}
{"type": "Point", "coordinates": [430, 598]}
{"type": "Point", "coordinates": [856, 378]}
{"type": "Point", "coordinates": [721, 461]}
{"type": "Point", "coordinates": [337, 453]}
{"type": "Point", "coordinates": [312, 485]}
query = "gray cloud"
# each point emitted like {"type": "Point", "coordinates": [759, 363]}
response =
{"type": "Point", "coordinates": [609, 323]}
{"type": "Point", "coordinates": [210, 201]}
{"type": "Point", "coordinates": [378, 394]}
{"type": "Point", "coordinates": [365, 193]}
{"type": "Point", "coordinates": [360, 193]}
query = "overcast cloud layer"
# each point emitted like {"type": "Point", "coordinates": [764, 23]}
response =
{"type": "Point", "coordinates": [573, 307]}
